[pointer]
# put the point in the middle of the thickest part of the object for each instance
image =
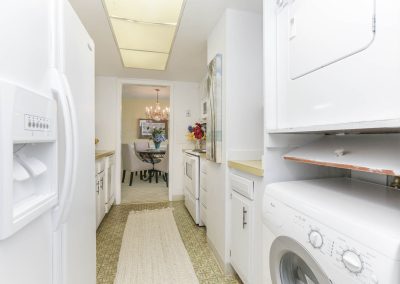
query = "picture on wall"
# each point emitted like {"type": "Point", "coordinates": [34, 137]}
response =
{"type": "Point", "coordinates": [214, 114]}
{"type": "Point", "coordinates": [147, 125]}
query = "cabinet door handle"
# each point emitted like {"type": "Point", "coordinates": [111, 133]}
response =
{"type": "Point", "coordinates": [97, 187]}
{"type": "Point", "coordinates": [244, 212]}
{"type": "Point", "coordinates": [102, 184]}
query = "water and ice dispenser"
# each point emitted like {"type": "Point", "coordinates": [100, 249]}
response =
{"type": "Point", "coordinates": [28, 156]}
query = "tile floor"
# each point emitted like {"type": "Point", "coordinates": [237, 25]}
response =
{"type": "Point", "coordinates": [143, 191]}
{"type": "Point", "coordinates": [109, 238]}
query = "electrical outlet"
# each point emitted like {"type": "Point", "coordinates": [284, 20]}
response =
{"type": "Point", "coordinates": [188, 114]}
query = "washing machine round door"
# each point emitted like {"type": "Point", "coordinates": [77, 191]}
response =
{"type": "Point", "coordinates": [290, 263]}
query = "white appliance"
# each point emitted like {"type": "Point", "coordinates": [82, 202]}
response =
{"type": "Point", "coordinates": [47, 207]}
{"type": "Point", "coordinates": [337, 64]}
{"type": "Point", "coordinates": [331, 231]}
{"type": "Point", "coordinates": [191, 185]}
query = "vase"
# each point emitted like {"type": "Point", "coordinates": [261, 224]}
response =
{"type": "Point", "coordinates": [197, 145]}
{"type": "Point", "coordinates": [157, 145]}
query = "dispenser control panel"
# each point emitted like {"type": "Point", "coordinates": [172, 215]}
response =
{"type": "Point", "coordinates": [34, 118]}
{"type": "Point", "coordinates": [37, 123]}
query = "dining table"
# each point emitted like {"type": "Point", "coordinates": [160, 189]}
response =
{"type": "Point", "coordinates": [152, 156]}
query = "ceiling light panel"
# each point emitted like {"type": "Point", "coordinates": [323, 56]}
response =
{"type": "Point", "coordinates": [144, 59]}
{"type": "Point", "coordinates": [150, 11]}
{"type": "Point", "coordinates": [144, 30]}
{"type": "Point", "coordinates": [143, 36]}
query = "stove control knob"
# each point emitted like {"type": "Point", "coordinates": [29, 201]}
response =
{"type": "Point", "coordinates": [352, 261]}
{"type": "Point", "coordinates": [316, 239]}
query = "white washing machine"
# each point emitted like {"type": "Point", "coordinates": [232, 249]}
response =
{"type": "Point", "coordinates": [331, 231]}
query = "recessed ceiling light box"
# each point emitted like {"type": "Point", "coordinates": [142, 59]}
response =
{"type": "Point", "coordinates": [144, 30]}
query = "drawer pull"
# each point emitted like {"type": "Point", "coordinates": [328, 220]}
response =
{"type": "Point", "coordinates": [244, 212]}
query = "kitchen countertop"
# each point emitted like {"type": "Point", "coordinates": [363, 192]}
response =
{"type": "Point", "coordinates": [199, 154]}
{"type": "Point", "coordinates": [253, 167]}
{"type": "Point", "coordinates": [104, 153]}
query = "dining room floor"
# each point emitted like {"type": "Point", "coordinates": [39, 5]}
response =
{"type": "Point", "coordinates": [143, 191]}
{"type": "Point", "coordinates": [111, 230]}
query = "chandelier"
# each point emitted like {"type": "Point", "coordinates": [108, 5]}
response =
{"type": "Point", "coordinates": [155, 112]}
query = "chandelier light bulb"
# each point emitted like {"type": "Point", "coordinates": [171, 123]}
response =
{"type": "Point", "coordinates": [157, 113]}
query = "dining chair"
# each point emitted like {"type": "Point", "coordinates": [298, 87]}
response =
{"type": "Point", "coordinates": [163, 166]}
{"type": "Point", "coordinates": [130, 162]}
{"type": "Point", "coordinates": [140, 145]}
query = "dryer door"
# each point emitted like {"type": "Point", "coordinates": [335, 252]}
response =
{"type": "Point", "coordinates": [315, 34]}
{"type": "Point", "coordinates": [290, 263]}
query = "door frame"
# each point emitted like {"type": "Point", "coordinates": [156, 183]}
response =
{"type": "Point", "coordinates": [118, 170]}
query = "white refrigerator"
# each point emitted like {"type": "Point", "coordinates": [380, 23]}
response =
{"type": "Point", "coordinates": [47, 156]}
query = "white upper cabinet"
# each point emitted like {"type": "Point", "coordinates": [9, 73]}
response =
{"type": "Point", "coordinates": [337, 64]}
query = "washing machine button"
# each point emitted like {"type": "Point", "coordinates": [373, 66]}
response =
{"type": "Point", "coordinates": [316, 239]}
{"type": "Point", "coordinates": [352, 261]}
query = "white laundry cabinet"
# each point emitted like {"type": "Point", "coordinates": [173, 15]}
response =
{"type": "Point", "coordinates": [242, 226]}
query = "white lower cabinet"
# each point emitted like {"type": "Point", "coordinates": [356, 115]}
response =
{"type": "Point", "coordinates": [203, 191]}
{"type": "Point", "coordinates": [109, 182]}
{"type": "Point", "coordinates": [100, 198]}
{"type": "Point", "coordinates": [241, 237]}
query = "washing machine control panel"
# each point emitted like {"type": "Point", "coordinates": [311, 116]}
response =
{"type": "Point", "coordinates": [348, 257]}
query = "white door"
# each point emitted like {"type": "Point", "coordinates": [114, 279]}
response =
{"type": "Point", "coordinates": [291, 263]}
{"type": "Point", "coordinates": [79, 235]}
{"type": "Point", "coordinates": [320, 33]}
{"type": "Point", "coordinates": [241, 234]}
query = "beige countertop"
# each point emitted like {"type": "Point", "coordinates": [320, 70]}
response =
{"type": "Point", "coordinates": [199, 154]}
{"type": "Point", "coordinates": [104, 153]}
{"type": "Point", "coordinates": [253, 167]}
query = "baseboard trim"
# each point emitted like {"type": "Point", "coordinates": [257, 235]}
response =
{"type": "Point", "coordinates": [178, 197]}
{"type": "Point", "coordinates": [226, 268]}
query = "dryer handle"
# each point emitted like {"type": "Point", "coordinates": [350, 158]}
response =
{"type": "Point", "coordinates": [71, 151]}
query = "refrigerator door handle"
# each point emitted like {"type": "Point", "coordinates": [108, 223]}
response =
{"type": "Point", "coordinates": [75, 152]}
{"type": "Point", "coordinates": [71, 149]}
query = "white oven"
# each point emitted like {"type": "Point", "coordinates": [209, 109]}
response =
{"type": "Point", "coordinates": [192, 185]}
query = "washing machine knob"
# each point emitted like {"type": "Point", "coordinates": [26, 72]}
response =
{"type": "Point", "coordinates": [352, 261]}
{"type": "Point", "coordinates": [316, 239]}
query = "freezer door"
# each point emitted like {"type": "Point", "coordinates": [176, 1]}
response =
{"type": "Point", "coordinates": [316, 34]}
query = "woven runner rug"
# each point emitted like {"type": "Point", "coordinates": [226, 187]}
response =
{"type": "Point", "coordinates": [152, 251]}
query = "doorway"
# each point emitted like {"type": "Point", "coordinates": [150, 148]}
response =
{"type": "Point", "coordinates": [145, 132]}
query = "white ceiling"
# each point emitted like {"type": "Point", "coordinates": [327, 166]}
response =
{"type": "Point", "coordinates": [188, 58]}
{"type": "Point", "coordinates": [145, 92]}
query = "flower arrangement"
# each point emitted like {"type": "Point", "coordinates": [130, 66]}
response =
{"type": "Point", "coordinates": [196, 132]}
{"type": "Point", "coordinates": [158, 136]}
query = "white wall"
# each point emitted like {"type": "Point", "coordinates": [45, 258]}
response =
{"type": "Point", "coordinates": [184, 97]}
{"type": "Point", "coordinates": [106, 112]}
{"type": "Point", "coordinates": [238, 37]}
